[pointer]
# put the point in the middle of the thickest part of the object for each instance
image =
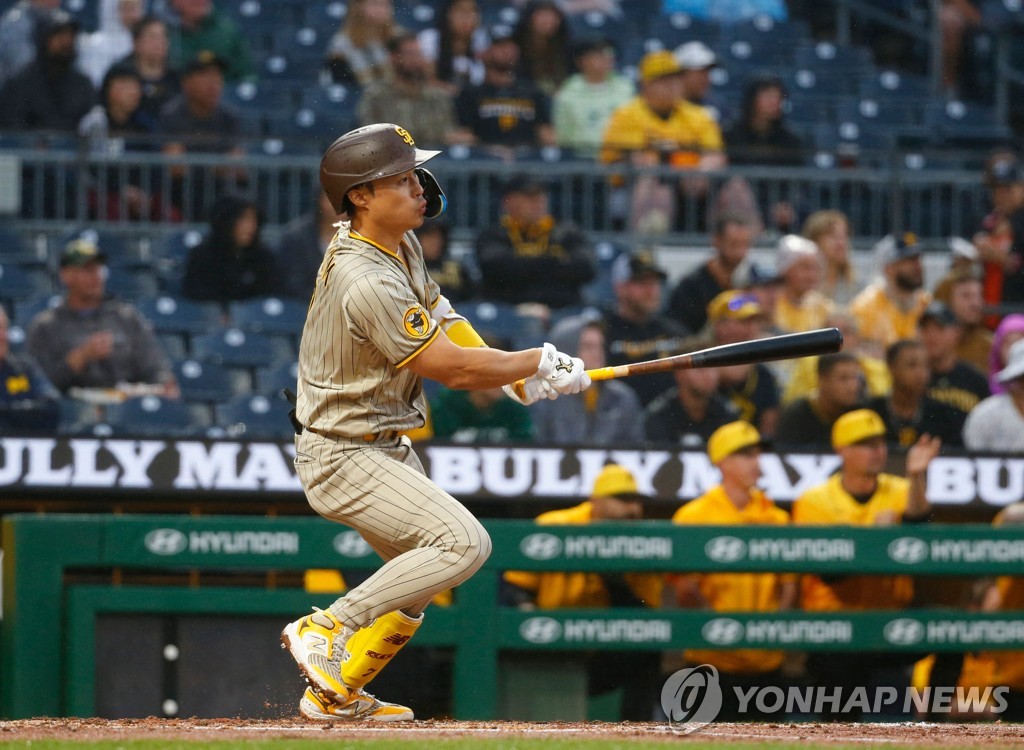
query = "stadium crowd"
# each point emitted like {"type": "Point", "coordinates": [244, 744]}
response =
{"type": "Point", "coordinates": [208, 337]}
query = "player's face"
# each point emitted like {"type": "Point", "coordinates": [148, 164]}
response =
{"type": "Point", "coordinates": [835, 243]}
{"type": "Point", "coordinates": [743, 467]}
{"type": "Point", "coordinates": [910, 370]}
{"type": "Point", "coordinates": [398, 200]}
{"type": "Point", "coordinates": [868, 457]}
{"type": "Point", "coordinates": [938, 339]}
{"type": "Point", "coordinates": [842, 385]}
{"type": "Point", "coordinates": [967, 302]}
{"type": "Point", "coordinates": [733, 244]}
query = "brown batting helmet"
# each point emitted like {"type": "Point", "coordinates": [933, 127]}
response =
{"type": "Point", "coordinates": [369, 153]}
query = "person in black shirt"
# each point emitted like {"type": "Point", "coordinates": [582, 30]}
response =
{"type": "Point", "coordinates": [634, 329]}
{"type": "Point", "coordinates": [149, 57]}
{"type": "Point", "coordinates": [731, 240]}
{"type": "Point", "coordinates": [908, 412]}
{"type": "Point", "coordinates": [687, 414]}
{"type": "Point", "coordinates": [505, 111]}
{"type": "Point", "coordinates": [953, 381]}
{"type": "Point", "coordinates": [529, 256]}
{"type": "Point", "coordinates": [807, 422]}
{"type": "Point", "coordinates": [28, 400]}
{"type": "Point", "coordinates": [455, 280]}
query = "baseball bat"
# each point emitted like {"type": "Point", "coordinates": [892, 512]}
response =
{"type": "Point", "coordinates": [786, 346]}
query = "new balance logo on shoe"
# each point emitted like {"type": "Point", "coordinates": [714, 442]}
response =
{"type": "Point", "coordinates": [317, 643]}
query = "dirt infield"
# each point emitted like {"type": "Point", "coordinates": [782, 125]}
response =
{"type": "Point", "coordinates": [918, 734]}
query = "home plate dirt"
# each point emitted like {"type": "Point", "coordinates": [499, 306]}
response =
{"type": "Point", "coordinates": [937, 735]}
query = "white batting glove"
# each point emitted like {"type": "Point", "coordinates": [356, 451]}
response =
{"type": "Point", "coordinates": [532, 390]}
{"type": "Point", "coordinates": [565, 374]}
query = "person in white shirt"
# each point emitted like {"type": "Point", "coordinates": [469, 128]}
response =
{"type": "Point", "coordinates": [997, 423]}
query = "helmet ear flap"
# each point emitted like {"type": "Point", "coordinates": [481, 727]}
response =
{"type": "Point", "coordinates": [437, 202]}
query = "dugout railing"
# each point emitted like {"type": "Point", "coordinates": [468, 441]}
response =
{"type": "Point", "coordinates": [50, 615]}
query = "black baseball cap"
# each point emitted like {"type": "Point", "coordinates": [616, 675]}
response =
{"type": "Point", "coordinates": [81, 251]}
{"type": "Point", "coordinates": [1007, 171]}
{"type": "Point", "coordinates": [639, 264]}
{"type": "Point", "coordinates": [938, 312]}
{"type": "Point", "coordinates": [203, 60]}
{"type": "Point", "coordinates": [525, 183]}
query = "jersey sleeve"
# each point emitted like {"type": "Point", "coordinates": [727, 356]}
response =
{"type": "Point", "coordinates": [386, 313]}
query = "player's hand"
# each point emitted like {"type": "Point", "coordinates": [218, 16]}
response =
{"type": "Point", "coordinates": [530, 391]}
{"type": "Point", "coordinates": [566, 374]}
{"type": "Point", "coordinates": [921, 454]}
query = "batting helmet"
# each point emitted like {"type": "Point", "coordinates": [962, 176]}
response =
{"type": "Point", "coordinates": [370, 153]}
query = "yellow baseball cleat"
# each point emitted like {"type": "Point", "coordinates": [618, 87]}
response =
{"type": "Point", "coordinates": [360, 707]}
{"type": "Point", "coordinates": [317, 643]}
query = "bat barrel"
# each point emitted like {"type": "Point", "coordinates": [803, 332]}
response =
{"type": "Point", "coordinates": [787, 346]}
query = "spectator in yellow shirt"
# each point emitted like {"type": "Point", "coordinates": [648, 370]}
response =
{"type": "Point", "coordinates": [888, 310]}
{"type": "Point", "coordinates": [660, 128]}
{"type": "Point", "coordinates": [1008, 594]}
{"type": "Point", "coordinates": [614, 497]}
{"type": "Point", "coordinates": [735, 448]}
{"type": "Point", "coordinates": [861, 494]}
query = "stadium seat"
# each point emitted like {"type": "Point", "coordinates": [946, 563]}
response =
{"type": "Point", "coordinates": [242, 352]}
{"type": "Point", "coordinates": [152, 416]}
{"type": "Point", "coordinates": [256, 418]}
{"type": "Point", "coordinates": [269, 315]}
{"type": "Point", "coordinates": [888, 84]}
{"type": "Point", "coordinates": [27, 309]}
{"type": "Point", "coordinates": [15, 248]}
{"type": "Point", "coordinates": [271, 381]}
{"type": "Point", "coordinates": [173, 315]}
{"type": "Point", "coordinates": [132, 283]}
{"type": "Point", "coordinates": [502, 320]}
{"type": "Point", "coordinates": [170, 255]}
{"type": "Point", "coordinates": [19, 282]}
{"type": "Point", "coordinates": [964, 124]}
{"type": "Point", "coordinates": [203, 385]}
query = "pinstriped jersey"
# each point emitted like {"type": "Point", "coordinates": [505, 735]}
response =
{"type": "Point", "coordinates": [369, 316]}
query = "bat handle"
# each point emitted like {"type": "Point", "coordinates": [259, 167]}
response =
{"type": "Point", "coordinates": [602, 373]}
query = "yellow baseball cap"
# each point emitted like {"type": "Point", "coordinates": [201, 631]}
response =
{"type": "Point", "coordinates": [732, 438]}
{"type": "Point", "coordinates": [734, 305]}
{"type": "Point", "coordinates": [658, 65]}
{"type": "Point", "coordinates": [855, 426]}
{"type": "Point", "coordinates": [616, 481]}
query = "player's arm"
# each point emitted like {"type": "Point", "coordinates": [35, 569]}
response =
{"type": "Point", "coordinates": [472, 368]}
{"type": "Point", "coordinates": [919, 457]}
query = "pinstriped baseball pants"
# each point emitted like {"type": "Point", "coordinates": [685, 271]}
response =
{"type": "Point", "coordinates": [428, 539]}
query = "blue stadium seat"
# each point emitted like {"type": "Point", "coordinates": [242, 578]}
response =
{"type": "Point", "coordinates": [18, 282]}
{"type": "Point", "coordinates": [270, 382]}
{"type": "Point", "coordinates": [174, 315]}
{"type": "Point", "coordinates": [15, 248]}
{"type": "Point", "coordinates": [132, 283]}
{"type": "Point", "coordinates": [169, 256]}
{"type": "Point", "coordinates": [260, 97]}
{"type": "Point", "coordinates": [269, 315]}
{"type": "Point", "coordinates": [963, 123]}
{"type": "Point", "coordinates": [152, 416]}
{"type": "Point", "coordinates": [243, 353]}
{"type": "Point", "coordinates": [677, 28]}
{"type": "Point", "coordinates": [888, 84]}
{"type": "Point", "coordinates": [27, 309]}
{"type": "Point", "coordinates": [256, 418]}
{"type": "Point", "coordinates": [502, 320]}
{"type": "Point", "coordinates": [203, 382]}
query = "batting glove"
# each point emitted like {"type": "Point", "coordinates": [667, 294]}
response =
{"type": "Point", "coordinates": [530, 391]}
{"type": "Point", "coordinates": [565, 374]}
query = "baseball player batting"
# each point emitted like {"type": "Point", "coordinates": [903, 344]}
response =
{"type": "Point", "coordinates": [377, 325]}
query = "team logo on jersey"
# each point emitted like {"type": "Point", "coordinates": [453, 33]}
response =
{"type": "Point", "coordinates": [417, 324]}
{"type": "Point", "coordinates": [405, 136]}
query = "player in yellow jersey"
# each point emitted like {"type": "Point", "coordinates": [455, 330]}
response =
{"type": "Point", "coordinates": [862, 494]}
{"type": "Point", "coordinates": [735, 448]}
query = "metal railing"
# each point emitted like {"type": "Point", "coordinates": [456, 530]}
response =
{"type": "Point", "coordinates": [880, 192]}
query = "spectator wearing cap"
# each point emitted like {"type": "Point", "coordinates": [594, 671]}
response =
{"type": "Point", "coordinates": [200, 26]}
{"type": "Point", "coordinates": [17, 34]}
{"type": "Point", "coordinates": [963, 259]}
{"type": "Point", "coordinates": [996, 425]}
{"type": "Point", "coordinates": [735, 449]}
{"type": "Point", "coordinates": [583, 104]}
{"type": "Point", "coordinates": [545, 46]}
{"type": "Point", "coordinates": [505, 111]}
{"type": "Point", "coordinates": [887, 310]}
{"type": "Point", "coordinates": [908, 411]}
{"type": "Point", "coordinates": [91, 341]}
{"type": "Point", "coordinates": [1000, 236]}
{"type": "Point", "coordinates": [150, 58]}
{"type": "Point", "coordinates": [731, 238]}
{"type": "Point", "coordinates": [953, 381]}
{"type": "Point", "coordinates": [696, 61]}
{"type": "Point", "coordinates": [607, 413]}
{"type": "Point", "coordinates": [113, 128]}
{"type": "Point", "coordinates": [529, 256]}
{"type": "Point", "coordinates": [803, 378]}
{"type": "Point", "coordinates": [764, 284]}
{"type": "Point", "coordinates": [830, 231]}
{"type": "Point", "coordinates": [49, 93]}
{"type": "Point", "coordinates": [635, 329]}
{"type": "Point", "coordinates": [862, 494]}
{"type": "Point", "coordinates": [409, 96]}
{"type": "Point", "coordinates": [806, 423]}
{"type": "Point", "coordinates": [800, 307]}
{"type": "Point", "coordinates": [99, 50]}
{"type": "Point", "coordinates": [198, 121]}
{"type": "Point", "coordinates": [660, 128]}
{"type": "Point", "coordinates": [614, 498]}
{"type": "Point", "coordinates": [735, 316]}
{"type": "Point", "coordinates": [760, 137]}
{"type": "Point", "coordinates": [28, 401]}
